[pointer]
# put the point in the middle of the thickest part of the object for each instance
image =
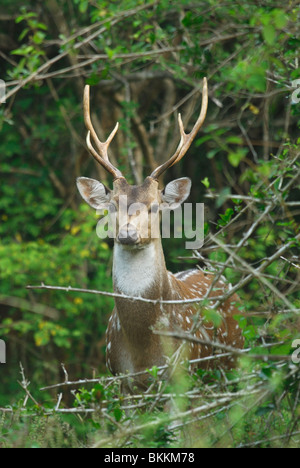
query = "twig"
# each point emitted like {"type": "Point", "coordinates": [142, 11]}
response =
{"type": "Point", "coordinates": [25, 384]}
{"type": "Point", "coordinates": [65, 372]}
{"type": "Point", "coordinates": [58, 401]}
{"type": "Point", "coordinates": [270, 439]}
{"type": "Point", "coordinates": [291, 263]}
{"type": "Point", "coordinates": [247, 198]}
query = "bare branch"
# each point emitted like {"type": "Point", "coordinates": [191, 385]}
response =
{"type": "Point", "coordinates": [216, 344]}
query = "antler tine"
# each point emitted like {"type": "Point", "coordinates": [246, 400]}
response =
{"type": "Point", "coordinates": [101, 156]}
{"type": "Point", "coordinates": [186, 138]}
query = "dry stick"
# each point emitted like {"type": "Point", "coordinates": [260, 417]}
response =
{"type": "Point", "coordinates": [25, 384]}
{"type": "Point", "coordinates": [229, 398]}
{"type": "Point", "coordinates": [219, 273]}
{"type": "Point", "coordinates": [247, 198]}
{"type": "Point", "coordinates": [58, 401]}
{"type": "Point", "coordinates": [271, 439]}
{"type": "Point", "coordinates": [160, 368]}
{"type": "Point", "coordinates": [256, 273]}
{"type": "Point", "coordinates": [123, 296]}
{"type": "Point", "coordinates": [291, 263]}
{"type": "Point", "coordinates": [216, 344]}
{"type": "Point", "coordinates": [259, 276]}
{"type": "Point", "coordinates": [65, 372]}
{"type": "Point", "coordinates": [126, 376]}
{"type": "Point", "coordinates": [255, 224]}
{"type": "Point", "coordinates": [182, 415]}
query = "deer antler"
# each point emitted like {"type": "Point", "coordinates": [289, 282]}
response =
{"type": "Point", "coordinates": [101, 156]}
{"type": "Point", "coordinates": [186, 139]}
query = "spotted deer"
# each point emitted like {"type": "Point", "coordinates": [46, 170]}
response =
{"type": "Point", "coordinates": [139, 267]}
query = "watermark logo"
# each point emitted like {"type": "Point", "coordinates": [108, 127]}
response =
{"type": "Point", "coordinates": [188, 221]}
{"type": "Point", "coordinates": [2, 92]}
{"type": "Point", "coordinates": [2, 352]}
{"type": "Point", "coordinates": [296, 353]}
{"type": "Point", "coordinates": [296, 93]}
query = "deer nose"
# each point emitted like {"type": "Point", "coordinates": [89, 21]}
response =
{"type": "Point", "coordinates": [128, 235]}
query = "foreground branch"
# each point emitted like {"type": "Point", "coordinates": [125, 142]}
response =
{"type": "Point", "coordinates": [123, 296]}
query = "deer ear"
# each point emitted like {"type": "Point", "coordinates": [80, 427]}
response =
{"type": "Point", "coordinates": [93, 192]}
{"type": "Point", "coordinates": [177, 191]}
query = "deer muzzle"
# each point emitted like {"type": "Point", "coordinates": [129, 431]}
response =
{"type": "Point", "coordinates": [128, 235]}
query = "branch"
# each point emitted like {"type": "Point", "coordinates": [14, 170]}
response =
{"type": "Point", "coordinates": [87, 40]}
{"type": "Point", "coordinates": [20, 303]}
{"type": "Point", "coordinates": [25, 384]}
{"type": "Point", "coordinates": [169, 418]}
{"type": "Point", "coordinates": [124, 296]}
{"type": "Point", "coordinates": [37, 75]}
{"type": "Point", "coordinates": [217, 344]}
{"type": "Point", "coordinates": [160, 369]}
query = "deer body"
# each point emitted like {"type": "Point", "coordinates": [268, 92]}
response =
{"type": "Point", "coordinates": [131, 344]}
{"type": "Point", "coordinates": [139, 269]}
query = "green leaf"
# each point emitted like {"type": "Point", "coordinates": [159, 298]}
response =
{"type": "Point", "coordinates": [153, 371]}
{"type": "Point", "coordinates": [26, 16]}
{"type": "Point", "coordinates": [280, 18]}
{"type": "Point", "coordinates": [269, 34]}
{"type": "Point", "coordinates": [234, 139]}
{"type": "Point", "coordinates": [38, 37]}
{"type": "Point", "coordinates": [23, 33]}
{"type": "Point", "coordinates": [118, 413]}
{"type": "Point", "coordinates": [212, 316]}
{"type": "Point", "coordinates": [93, 79]}
{"type": "Point", "coordinates": [205, 182]}
{"type": "Point", "coordinates": [256, 82]}
{"type": "Point", "coordinates": [110, 52]}
{"type": "Point", "coordinates": [26, 50]}
{"type": "Point", "coordinates": [236, 157]}
{"type": "Point", "coordinates": [226, 217]}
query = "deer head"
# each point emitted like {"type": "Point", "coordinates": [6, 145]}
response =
{"type": "Point", "coordinates": [137, 206]}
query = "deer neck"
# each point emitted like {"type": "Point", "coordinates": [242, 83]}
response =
{"type": "Point", "coordinates": [140, 272]}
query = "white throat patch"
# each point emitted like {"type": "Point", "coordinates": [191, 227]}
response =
{"type": "Point", "coordinates": [134, 271]}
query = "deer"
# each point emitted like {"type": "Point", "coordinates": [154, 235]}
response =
{"type": "Point", "coordinates": [139, 267]}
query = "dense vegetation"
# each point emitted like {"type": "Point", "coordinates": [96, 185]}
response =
{"type": "Point", "coordinates": [145, 61]}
